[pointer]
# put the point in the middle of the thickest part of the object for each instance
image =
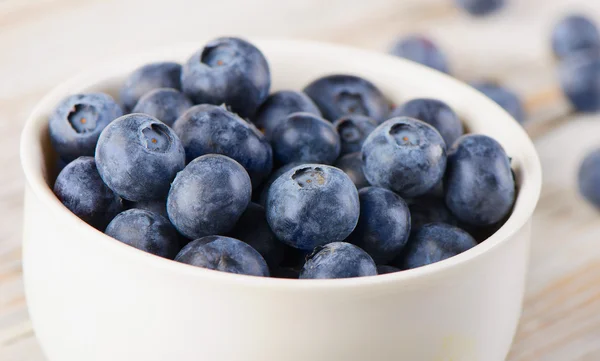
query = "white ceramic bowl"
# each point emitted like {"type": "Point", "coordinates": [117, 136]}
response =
{"type": "Point", "coordinates": [93, 298]}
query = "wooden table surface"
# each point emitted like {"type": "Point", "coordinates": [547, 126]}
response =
{"type": "Point", "coordinates": [45, 41]}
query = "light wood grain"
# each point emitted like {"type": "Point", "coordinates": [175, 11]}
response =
{"type": "Point", "coordinates": [45, 41]}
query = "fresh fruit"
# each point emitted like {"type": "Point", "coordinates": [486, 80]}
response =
{"type": "Point", "coordinates": [435, 242]}
{"type": "Point", "coordinates": [340, 95]}
{"type": "Point", "coordinates": [164, 104]}
{"type": "Point", "coordinates": [589, 177]}
{"type": "Point", "coordinates": [312, 205]}
{"type": "Point", "coordinates": [429, 209]}
{"type": "Point", "coordinates": [147, 231]}
{"type": "Point", "coordinates": [77, 122]}
{"type": "Point", "coordinates": [405, 155]}
{"type": "Point", "coordinates": [480, 7]}
{"type": "Point", "coordinates": [138, 156]}
{"type": "Point", "coordinates": [385, 269]}
{"type": "Point", "coordinates": [504, 97]}
{"type": "Point", "coordinates": [338, 260]}
{"type": "Point", "coordinates": [383, 226]}
{"type": "Point", "coordinates": [228, 71]}
{"type": "Point", "coordinates": [353, 130]}
{"type": "Point", "coordinates": [304, 137]}
{"type": "Point", "coordinates": [149, 77]}
{"type": "Point", "coordinates": [158, 206]}
{"type": "Point", "coordinates": [435, 113]}
{"type": "Point", "coordinates": [208, 196]}
{"type": "Point", "coordinates": [210, 129]}
{"type": "Point", "coordinates": [278, 106]}
{"type": "Point", "coordinates": [272, 178]}
{"type": "Point", "coordinates": [480, 188]}
{"type": "Point", "coordinates": [80, 188]}
{"type": "Point", "coordinates": [224, 254]}
{"type": "Point", "coordinates": [579, 76]}
{"type": "Point", "coordinates": [422, 50]}
{"type": "Point", "coordinates": [352, 165]}
{"type": "Point", "coordinates": [574, 33]}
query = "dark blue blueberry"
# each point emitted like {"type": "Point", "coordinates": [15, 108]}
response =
{"type": "Point", "coordinates": [352, 165]}
{"type": "Point", "coordinates": [574, 33]}
{"type": "Point", "coordinates": [435, 242]}
{"type": "Point", "coordinates": [211, 129]}
{"type": "Point", "coordinates": [480, 189]}
{"type": "Point", "coordinates": [312, 205]}
{"type": "Point", "coordinates": [80, 188]}
{"type": "Point", "coordinates": [429, 209]}
{"type": "Point", "coordinates": [480, 7]}
{"type": "Point", "coordinates": [579, 76]}
{"type": "Point", "coordinates": [589, 177]}
{"type": "Point", "coordinates": [422, 50]}
{"type": "Point", "coordinates": [338, 260]}
{"type": "Point", "coordinates": [285, 272]}
{"type": "Point", "coordinates": [149, 77]}
{"type": "Point", "coordinates": [340, 95]}
{"type": "Point", "coordinates": [278, 106]}
{"type": "Point", "coordinates": [147, 231]}
{"type": "Point", "coordinates": [224, 254]}
{"type": "Point", "coordinates": [304, 137]}
{"type": "Point", "coordinates": [272, 178]}
{"type": "Point", "coordinates": [77, 122]}
{"type": "Point", "coordinates": [504, 97]}
{"type": "Point", "coordinates": [158, 206]}
{"type": "Point", "coordinates": [384, 269]}
{"type": "Point", "coordinates": [384, 224]}
{"type": "Point", "coordinates": [230, 71]}
{"type": "Point", "coordinates": [253, 229]}
{"type": "Point", "coordinates": [138, 156]}
{"type": "Point", "coordinates": [353, 130]}
{"type": "Point", "coordinates": [405, 155]}
{"type": "Point", "coordinates": [208, 196]}
{"type": "Point", "coordinates": [435, 113]}
{"type": "Point", "coordinates": [164, 104]}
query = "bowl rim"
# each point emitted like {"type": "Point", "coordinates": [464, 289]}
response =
{"type": "Point", "coordinates": [31, 156]}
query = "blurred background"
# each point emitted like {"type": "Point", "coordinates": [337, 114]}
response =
{"type": "Point", "coordinates": [43, 42]}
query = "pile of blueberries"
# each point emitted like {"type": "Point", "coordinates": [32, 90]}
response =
{"type": "Point", "coordinates": [201, 164]}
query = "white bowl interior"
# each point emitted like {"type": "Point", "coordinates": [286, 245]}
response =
{"type": "Point", "coordinates": [293, 65]}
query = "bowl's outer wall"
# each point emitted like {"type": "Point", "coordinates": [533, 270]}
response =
{"type": "Point", "coordinates": [92, 298]}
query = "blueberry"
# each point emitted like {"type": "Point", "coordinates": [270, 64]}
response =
{"type": "Point", "coordinates": [77, 122]}
{"type": "Point", "coordinates": [340, 95]}
{"type": "Point", "coordinates": [504, 97]}
{"type": "Point", "coordinates": [352, 165]}
{"type": "Point", "coordinates": [80, 188]}
{"type": "Point", "coordinates": [589, 177]}
{"type": "Point", "coordinates": [145, 230]}
{"type": "Point", "coordinates": [252, 228]}
{"type": "Point", "coordinates": [278, 106]}
{"type": "Point", "coordinates": [579, 76]}
{"type": "Point", "coordinates": [435, 113]}
{"type": "Point", "coordinates": [224, 254]}
{"type": "Point", "coordinates": [211, 129]}
{"type": "Point", "coordinates": [429, 209]}
{"type": "Point", "coordinates": [164, 104]}
{"type": "Point", "coordinates": [158, 206]}
{"type": "Point", "coordinates": [149, 77]}
{"type": "Point", "coordinates": [312, 205]}
{"type": "Point", "coordinates": [230, 71]}
{"type": "Point", "coordinates": [353, 130]}
{"type": "Point", "coordinates": [338, 260]}
{"type": "Point", "coordinates": [384, 269]}
{"type": "Point", "coordinates": [405, 155]}
{"type": "Point", "coordinates": [435, 242]}
{"type": "Point", "coordinates": [574, 33]}
{"type": "Point", "coordinates": [422, 50]}
{"type": "Point", "coordinates": [138, 156]}
{"type": "Point", "coordinates": [304, 137]}
{"type": "Point", "coordinates": [384, 224]}
{"type": "Point", "coordinates": [480, 189]}
{"type": "Point", "coordinates": [208, 196]}
{"type": "Point", "coordinates": [272, 178]}
{"type": "Point", "coordinates": [480, 7]}
{"type": "Point", "coordinates": [285, 272]}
